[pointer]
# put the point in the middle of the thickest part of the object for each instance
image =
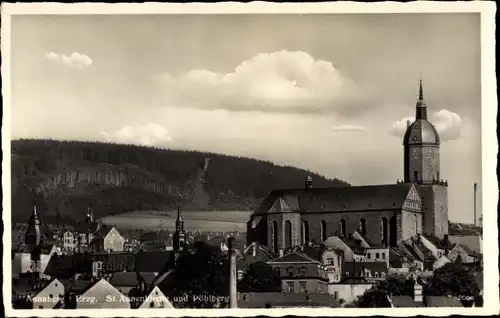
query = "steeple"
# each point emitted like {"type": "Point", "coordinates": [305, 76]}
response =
{"type": "Point", "coordinates": [90, 216]}
{"type": "Point", "coordinates": [179, 222]}
{"type": "Point", "coordinates": [179, 235]}
{"type": "Point", "coordinates": [421, 109]}
{"type": "Point", "coordinates": [33, 233]}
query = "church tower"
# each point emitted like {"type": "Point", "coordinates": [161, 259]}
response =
{"type": "Point", "coordinates": [34, 240]}
{"type": "Point", "coordinates": [179, 235]}
{"type": "Point", "coordinates": [33, 236]}
{"type": "Point", "coordinates": [422, 166]}
{"type": "Point", "coordinates": [421, 147]}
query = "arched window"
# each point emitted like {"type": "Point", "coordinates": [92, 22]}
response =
{"type": "Point", "coordinates": [288, 234]}
{"type": "Point", "coordinates": [383, 232]}
{"type": "Point", "coordinates": [323, 231]}
{"type": "Point", "coordinates": [305, 233]}
{"type": "Point", "coordinates": [275, 237]}
{"type": "Point", "coordinates": [362, 226]}
{"type": "Point", "coordinates": [343, 228]}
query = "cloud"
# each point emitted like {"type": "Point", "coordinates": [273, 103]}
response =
{"type": "Point", "coordinates": [150, 134]}
{"type": "Point", "coordinates": [448, 124]}
{"type": "Point", "coordinates": [282, 81]}
{"type": "Point", "coordinates": [75, 59]}
{"type": "Point", "coordinates": [349, 128]}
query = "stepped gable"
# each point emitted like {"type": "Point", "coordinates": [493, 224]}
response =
{"type": "Point", "coordinates": [336, 199]}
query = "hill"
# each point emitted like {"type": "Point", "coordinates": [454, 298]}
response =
{"type": "Point", "coordinates": [70, 176]}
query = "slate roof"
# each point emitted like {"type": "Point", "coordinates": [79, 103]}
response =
{"type": "Point", "coordinates": [78, 286]}
{"type": "Point", "coordinates": [262, 254]}
{"type": "Point", "coordinates": [356, 267]}
{"type": "Point", "coordinates": [336, 199]}
{"type": "Point", "coordinates": [280, 299]}
{"type": "Point", "coordinates": [101, 234]}
{"type": "Point", "coordinates": [293, 257]}
{"type": "Point", "coordinates": [124, 279]}
{"type": "Point", "coordinates": [151, 261]}
{"type": "Point", "coordinates": [314, 252]}
{"type": "Point", "coordinates": [439, 243]}
{"type": "Point", "coordinates": [473, 242]}
{"type": "Point", "coordinates": [464, 229]}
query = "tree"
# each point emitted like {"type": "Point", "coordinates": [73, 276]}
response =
{"type": "Point", "coordinates": [377, 296]}
{"type": "Point", "coordinates": [200, 275]}
{"type": "Point", "coordinates": [259, 278]}
{"type": "Point", "coordinates": [456, 280]}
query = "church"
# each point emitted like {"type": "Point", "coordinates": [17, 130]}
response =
{"type": "Point", "coordinates": [385, 215]}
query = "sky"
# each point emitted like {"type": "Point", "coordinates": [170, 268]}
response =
{"type": "Point", "coordinates": [325, 92]}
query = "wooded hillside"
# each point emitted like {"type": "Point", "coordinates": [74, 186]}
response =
{"type": "Point", "coordinates": [70, 175]}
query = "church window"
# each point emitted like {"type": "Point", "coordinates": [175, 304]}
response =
{"type": "Point", "coordinates": [291, 287]}
{"type": "Point", "coordinates": [275, 236]}
{"type": "Point", "coordinates": [362, 226]}
{"type": "Point", "coordinates": [415, 176]}
{"type": "Point", "coordinates": [305, 232]}
{"type": "Point", "coordinates": [368, 255]}
{"type": "Point", "coordinates": [343, 228]}
{"type": "Point", "coordinates": [383, 255]}
{"type": "Point", "coordinates": [377, 255]}
{"type": "Point", "coordinates": [288, 234]}
{"type": "Point", "coordinates": [323, 231]}
{"type": "Point", "coordinates": [375, 274]}
{"type": "Point", "coordinates": [330, 261]}
{"type": "Point", "coordinates": [384, 231]}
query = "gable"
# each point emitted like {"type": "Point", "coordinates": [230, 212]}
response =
{"type": "Point", "coordinates": [156, 299]}
{"type": "Point", "coordinates": [113, 235]}
{"type": "Point", "coordinates": [100, 290]}
{"type": "Point", "coordinates": [280, 206]}
{"type": "Point", "coordinates": [413, 201]}
{"type": "Point", "coordinates": [294, 257]}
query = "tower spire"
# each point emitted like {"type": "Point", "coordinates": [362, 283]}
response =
{"type": "Point", "coordinates": [33, 233]}
{"type": "Point", "coordinates": [421, 91]}
{"type": "Point", "coordinates": [179, 222]}
{"type": "Point", "coordinates": [421, 109]}
{"type": "Point", "coordinates": [179, 235]}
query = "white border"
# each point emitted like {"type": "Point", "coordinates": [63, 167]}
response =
{"type": "Point", "coordinates": [489, 142]}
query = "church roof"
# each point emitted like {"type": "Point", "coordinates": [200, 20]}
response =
{"type": "Point", "coordinates": [336, 199]}
{"type": "Point", "coordinates": [421, 131]}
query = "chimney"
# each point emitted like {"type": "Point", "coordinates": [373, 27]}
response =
{"type": "Point", "coordinates": [446, 250]}
{"type": "Point", "coordinates": [308, 183]}
{"type": "Point", "coordinates": [475, 204]}
{"type": "Point", "coordinates": [282, 252]}
{"type": "Point", "coordinates": [417, 296]}
{"type": "Point", "coordinates": [408, 124]}
{"type": "Point", "coordinates": [233, 293]}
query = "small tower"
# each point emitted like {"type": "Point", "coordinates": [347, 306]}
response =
{"type": "Point", "coordinates": [179, 235]}
{"type": "Point", "coordinates": [90, 216]}
{"type": "Point", "coordinates": [34, 240]}
{"type": "Point", "coordinates": [308, 184]}
{"type": "Point", "coordinates": [33, 236]}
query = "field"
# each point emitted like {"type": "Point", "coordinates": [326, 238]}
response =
{"type": "Point", "coordinates": [193, 220]}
